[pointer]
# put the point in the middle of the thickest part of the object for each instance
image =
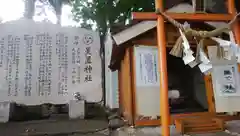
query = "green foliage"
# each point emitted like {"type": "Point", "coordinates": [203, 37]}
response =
{"type": "Point", "coordinates": [105, 13]}
{"type": "Point", "coordinates": [108, 12]}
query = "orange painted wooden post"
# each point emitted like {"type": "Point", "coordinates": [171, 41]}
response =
{"type": "Point", "coordinates": [232, 11]}
{"type": "Point", "coordinates": [236, 27]}
{"type": "Point", "coordinates": [162, 55]}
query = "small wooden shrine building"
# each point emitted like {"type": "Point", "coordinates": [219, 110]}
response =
{"type": "Point", "coordinates": [140, 88]}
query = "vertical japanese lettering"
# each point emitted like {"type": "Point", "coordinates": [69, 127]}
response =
{"type": "Point", "coordinates": [88, 65]}
{"type": "Point", "coordinates": [16, 62]}
{"type": "Point", "coordinates": [229, 86]}
{"type": "Point", "coordinates": [44, 41]}
{"type": "Point", "coordinates": [47, 63]}
{"type": "Point", "coordinates": [148, 63]}
{"type": "Point", "coordinates": [61, 51]}
{"type": "Point", "coordinates": [1, 51]}
{"type": "Point", "coordinates": [9, 63]}
{"type": "Point", "coordinates": [12, 77]}
{"type": "Point", "coordinates": [76, 61]}
{"type": "Point", "coordinates": [28, 41]}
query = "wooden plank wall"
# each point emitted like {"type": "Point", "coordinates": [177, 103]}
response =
{"type": "Point", "coordinates": [126, 88]}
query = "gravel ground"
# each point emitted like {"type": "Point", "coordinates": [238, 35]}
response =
{"type": "Point", "coordinates": [232, 129]}
{"type": "Point", "coordinates": [54, 128]}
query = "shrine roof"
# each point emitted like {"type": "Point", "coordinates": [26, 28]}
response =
{"type": "Point", "coordinates": [121, 33]}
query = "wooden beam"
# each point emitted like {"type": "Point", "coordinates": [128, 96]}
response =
{"type": "Point", "coordinates": [183, 16]}
{"type": "Point", "coordinates": [162, 59]}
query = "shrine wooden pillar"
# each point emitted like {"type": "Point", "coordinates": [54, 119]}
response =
{"type": "Point", "coordinates": [162, 55]}
{"type": "Point", "coordinates": [236, 26]}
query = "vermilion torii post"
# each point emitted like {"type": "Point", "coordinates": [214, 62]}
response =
{"type": "Point", "coordinates": [162, 55]}
{"type": "Point", "coordinates": [236, 27]}
{"type": "Point", "coordinates": [164, 105]}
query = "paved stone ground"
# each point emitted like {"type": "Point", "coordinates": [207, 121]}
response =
{"type": "Point", "coordinates": [53, 128]}
{"type": "Point", "coordinates": [232, 129]}
{"type": "Point", "coordinates": [64, 127]}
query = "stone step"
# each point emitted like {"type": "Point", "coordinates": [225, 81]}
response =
{"type": "Point", "coordinates": [200, 124]}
